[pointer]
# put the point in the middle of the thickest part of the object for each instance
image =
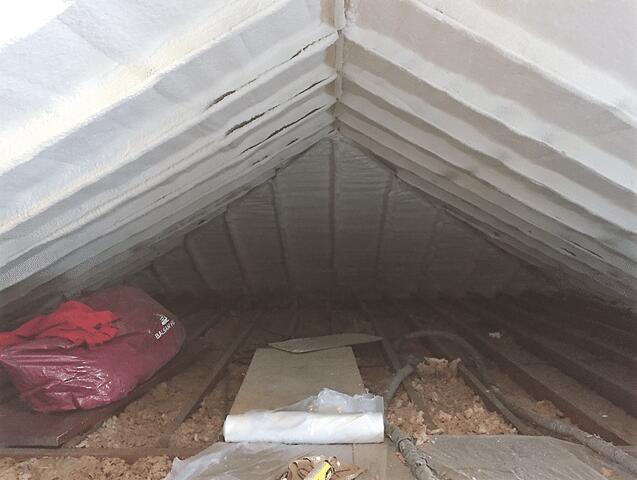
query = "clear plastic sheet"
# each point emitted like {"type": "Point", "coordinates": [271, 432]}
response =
{"type": "Point", "coordinates": [238, 461]}
{"type": "Point", "coordinates": [327, 418]}
{"type": "Point", "coordinates": [505, 457]}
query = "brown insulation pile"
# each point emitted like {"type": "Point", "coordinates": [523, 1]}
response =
{"type": "Point", "coordinates": [453, 407]}
{"type": "Point", "coordinates": [152, 468]}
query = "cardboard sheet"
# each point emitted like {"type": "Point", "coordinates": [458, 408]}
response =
{"type": "Point", "coordinates": [313, 344]}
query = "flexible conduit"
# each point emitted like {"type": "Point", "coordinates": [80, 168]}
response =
{"type": "Point", "coordinates": [414, 457]}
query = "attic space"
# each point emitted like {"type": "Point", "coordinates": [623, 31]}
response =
{"type": "Point", "coordinates": [263, 170]}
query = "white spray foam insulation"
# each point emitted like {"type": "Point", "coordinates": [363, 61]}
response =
{"type": "Point", "coordinates": [141, 142]}
{"type": "Point", "coordinates": [304, 200]}
{"type": "Point", "coordinates": [254, 229]}
{"type": "Point", "coordinates": [494, 270]}
{"type": "Point", "coordinates": [423, 249]}
{"type": "Point", "coordinates": [452, 255]}
{"type": "Point", "coordinates": [421, 34]}
{"type": "Point", "coordinates": [408, 230]}
{"type": "Point", "coordinates": [568, 145]}
{"type": "Point", "coordinates": [178, 273]}
{"type": "Point", "coordinates": [212, 252]}
{"type": "Point", "coordinates": [194, 144]}
{"type": "Point", "coordinates": [130, 253]}
{"type": "Point", "coordinates": [360, 191]}
{"type": "Point", "coordinates": [490, 140]}
{"type": "Point", "coordinates": [486, 178]}
{"type": "Point", "coordinates": [148, 281]}
{"type": "Point", "coordinates": [149, 118]}
{"type": "Point", "coordinates": [590, 40]}
{"type": "Point", "coordinates": [488, 218]}
{"type": "Point", "coordinates": [463, 191]}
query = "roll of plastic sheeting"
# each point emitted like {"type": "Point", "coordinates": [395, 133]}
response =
{"type": "Point", "coordinates": [327, 418]}
{"type": "Point", "coordinates": [304, 427]}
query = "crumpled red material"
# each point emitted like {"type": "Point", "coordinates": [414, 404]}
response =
{"type": "Point", "coordinates": [57, 373]}
{"type": "Point", "coordinates": [72, 320]}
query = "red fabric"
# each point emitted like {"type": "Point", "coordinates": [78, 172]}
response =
{"type": "Point", "coordinates": [54, 374]}
{"type": "Point", "coordinates": [72, 320]}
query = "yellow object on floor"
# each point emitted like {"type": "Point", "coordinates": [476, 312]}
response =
{"type": "Point", "coordinates": [320, 468]}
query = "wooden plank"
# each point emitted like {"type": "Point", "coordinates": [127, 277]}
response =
{"type": "Point", "coordinates": [610, 323]}
{"type": "Point", "coordinates": [209, 381]}
{"type": "Point", "coordinates": [585, 408]}
{"type": "Point", "coordinates": [276, 379]}
{"type": "Point", "coordinates": [52, 430]}
{"type": "Point", "coordinates": [129, 454]}
{"type": "Point", "coordinates": [621, 393]}
{"type": "Point", "coordinates": [555, 328]}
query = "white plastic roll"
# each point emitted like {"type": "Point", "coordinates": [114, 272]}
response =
{"type": "Point", "coordinates": [304, 427]}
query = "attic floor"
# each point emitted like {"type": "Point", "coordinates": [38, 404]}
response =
{"type": "Point", "coordinates": [453, 407]}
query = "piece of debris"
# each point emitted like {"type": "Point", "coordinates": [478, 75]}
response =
{"type": "Point", "coordinates": [548, 409]}
{"type": "Point", "coordinates": [320, 468]}
{"type": "Point", "coordinates": [496, 335]}
{"type": "Point", "coordinates": [607, 472]}
{"type": "Point", "coordinates": [404, 415]}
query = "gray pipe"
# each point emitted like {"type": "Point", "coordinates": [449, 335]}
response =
{"type": "Point", "coordinates": [414, 457]}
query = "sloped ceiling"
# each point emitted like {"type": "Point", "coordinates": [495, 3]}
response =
{"type": "Point", "coordinates": [337, 220]}
{"type": "Point", "coordinates": [126, 123]}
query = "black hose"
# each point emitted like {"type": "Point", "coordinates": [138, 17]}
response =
{"type": "Point", "coordinates": [604, 448]}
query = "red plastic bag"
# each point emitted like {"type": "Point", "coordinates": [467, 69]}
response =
{"type": "Point", "coordinates": [54, 374]}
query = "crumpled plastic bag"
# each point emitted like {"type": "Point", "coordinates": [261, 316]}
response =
{"type": "Point", "coordinates": [327, 418]}
{"type": "Point", "coordinates": [249, 461]}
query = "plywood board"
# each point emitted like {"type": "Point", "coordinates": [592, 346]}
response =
{"type": "Point", "coordinates": [506, 457]}
{"type": "Point", "coordinates": [325, 342]}
{"type": "Point", "coordinates": [276, 379]}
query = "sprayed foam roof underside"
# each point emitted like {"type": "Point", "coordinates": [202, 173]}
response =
{"type": "Point", "coordinates": [128, 122]}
